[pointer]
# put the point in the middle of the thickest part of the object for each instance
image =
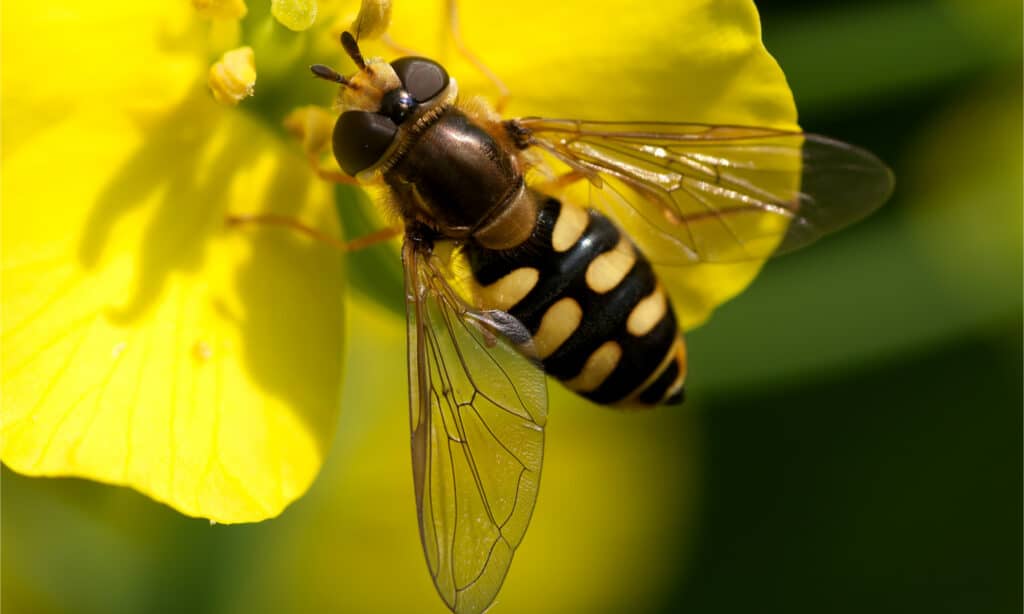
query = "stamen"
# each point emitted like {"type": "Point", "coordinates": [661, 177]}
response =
{"type": "Point", "coordinates": [233, 77]}
{"type": "Point", "coordinates": [373, 20]}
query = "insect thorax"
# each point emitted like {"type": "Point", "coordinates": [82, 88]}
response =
{"type": "Point", "coordinates": [454, 176]}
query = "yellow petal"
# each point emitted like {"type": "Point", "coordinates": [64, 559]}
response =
{"type": "Point", "coordinates": [197, 384]}
{"type": "Point", "coordinates": [221, 9]}
{"type": "Point", "coordinates": [233, 77]}
{"type": "Point", "coordinates": [695, 61]}
{"type": "Point", "coordinates": [295, 15]}
{"type": "Point", "coordinates": [79, 53]}
{"type": "Point", "coordinates": [146, 344]}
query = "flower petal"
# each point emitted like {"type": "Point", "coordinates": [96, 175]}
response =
{"type": "Point", "coordinates": [695, 61]}
{"type": "Point", "coordinates": [146, 344]}
{"type": "Point", "coordinates": [221, 9]}
{"type": "Point", "coordinates": [139, 57]}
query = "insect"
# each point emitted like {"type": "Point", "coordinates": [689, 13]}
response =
{"type": "Point", "coordinates": [506, 282]}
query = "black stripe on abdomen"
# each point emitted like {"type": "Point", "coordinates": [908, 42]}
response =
{"type": "Point", "coordinates": [564, 274]}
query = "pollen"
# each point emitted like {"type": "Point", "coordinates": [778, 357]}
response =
{"type": "Point", "coordinates": [296, 15]}
{"type": "Point", "coordinates": [201, 351]}
{"type": "Point", "coordinates": [221, 9]}
{"type": "Point", "coordinates": [118, 349]}
{"type": "Point", "coordinates": [233, 77]}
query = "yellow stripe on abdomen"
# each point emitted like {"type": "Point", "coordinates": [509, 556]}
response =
{"type": "Point", "coordinates": [647, 313]}
{"type": "Point", "coordinates": [509, 290]}
{"type": "Point", "coordinates": [598, 367]}
{"type": "Point", "coordinates": [560, 321]}
{"type": "Point", "coordinates": [609, 269]}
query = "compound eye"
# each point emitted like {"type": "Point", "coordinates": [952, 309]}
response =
{"type": "Point", "coordinates": [422, 78]}
{"type": "Point", "coordinates": [361, 138]}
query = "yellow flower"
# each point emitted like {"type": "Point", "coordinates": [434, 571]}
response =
{"type": "Point", "coordinates": [147, 344]}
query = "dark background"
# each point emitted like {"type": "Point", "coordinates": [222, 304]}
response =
{"type": "Point", "coordinates": [882, 473]}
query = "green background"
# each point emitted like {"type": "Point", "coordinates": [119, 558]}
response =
{"type": "Point", "coordinates": [853, 429]}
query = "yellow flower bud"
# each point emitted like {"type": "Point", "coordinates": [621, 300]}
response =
{"type": "Point", "coordinates": [233, 77]}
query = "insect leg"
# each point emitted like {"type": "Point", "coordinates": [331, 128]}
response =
{"type": "Point", "coordinates": [332, 176]}
{"type": "Point", "coordinates": [312, 126]}
{"type": "Point", "coordinates": [292, 223]}
{"type": "Point", "coordinates": [460, 45]}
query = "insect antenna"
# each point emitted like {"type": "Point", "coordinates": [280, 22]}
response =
{"type": "Point", "coordinates": [327, 74]}
{"type": "Point", "coordinates": [352, 49]}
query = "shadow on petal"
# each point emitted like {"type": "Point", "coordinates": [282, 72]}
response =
{"type": "Point", "coordinates": [151, 345]}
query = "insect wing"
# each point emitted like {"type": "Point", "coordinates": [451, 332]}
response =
{"type": "Point", "coordinates": [700, 193]}
{"type": "Point", "coordinates": [478, 407]}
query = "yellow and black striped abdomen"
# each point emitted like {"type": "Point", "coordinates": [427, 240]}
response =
{"type": "Point", "coordinates": [600, 320]}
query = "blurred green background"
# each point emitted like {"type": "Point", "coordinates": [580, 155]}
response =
{"type": "Point", "coordinates": [852, 439]}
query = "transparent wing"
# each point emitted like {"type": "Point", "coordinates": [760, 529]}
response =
{"type": "Point", "coordinates": [699, 193]}
{"type": "Point", "coordinates": [478, 407]}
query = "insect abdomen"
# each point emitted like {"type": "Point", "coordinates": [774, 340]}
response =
{"type": "Point", "coordinates": [600, 320]}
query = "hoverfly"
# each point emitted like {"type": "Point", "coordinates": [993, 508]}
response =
{"type": "Point", "coordinates": [505, 282]}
